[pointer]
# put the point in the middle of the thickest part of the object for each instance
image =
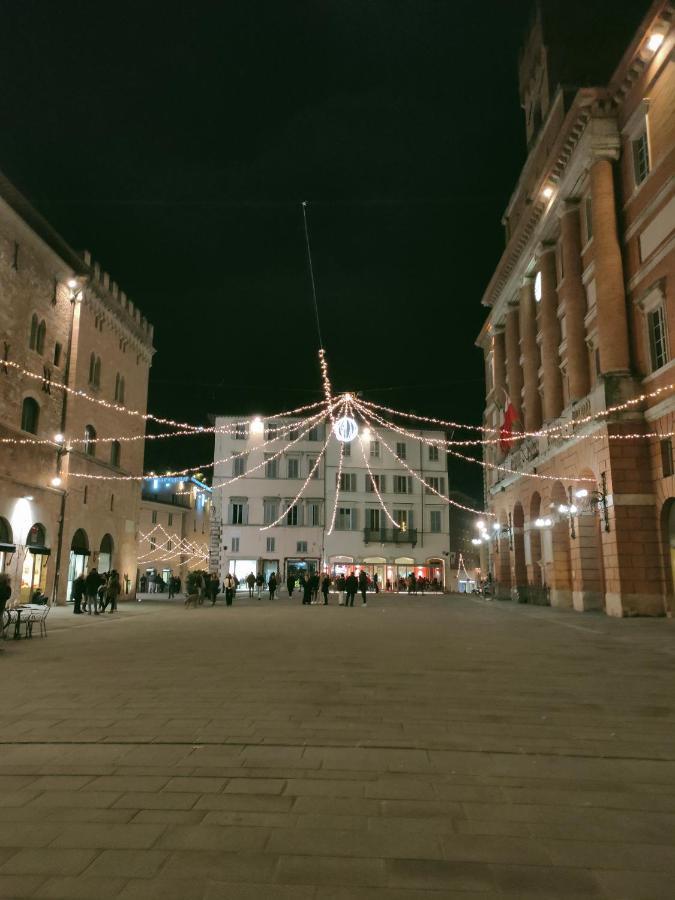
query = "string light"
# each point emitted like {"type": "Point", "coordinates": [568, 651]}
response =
{"type": "Point", "coordinates": [431, 442]}
{"type": "Point", "coordinates": [337, 486]}
{"type": "Point", "coordinates": [414, 474]}
{"type": "Point", "coordinates": [302, 489]}
{"type": "Point", "coordinates": [375, 486]}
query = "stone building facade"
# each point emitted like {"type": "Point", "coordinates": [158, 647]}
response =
{"type": "Point", "coordinates": [174, 527]}
{"type": "Point", "coordinates": [63, 321]}
{"type": "Point", "coordinates": [581, 321]}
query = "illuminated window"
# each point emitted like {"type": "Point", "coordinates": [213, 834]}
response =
{"type": "Point", "coordinates": [537, 287]}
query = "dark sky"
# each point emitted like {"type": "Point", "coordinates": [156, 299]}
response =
{"type": "Point", "coordinates": [176, 141]}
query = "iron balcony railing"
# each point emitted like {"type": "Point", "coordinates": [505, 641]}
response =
{"type": "Point", "coordinates": [390, 536]}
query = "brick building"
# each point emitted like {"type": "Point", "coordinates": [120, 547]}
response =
{"type": "Point", "coordinates": [581, 317]}
{"type": "Point", "coordinates": [68, 323]}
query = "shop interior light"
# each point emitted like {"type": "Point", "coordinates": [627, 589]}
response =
{"type": "Point", "coordinates": [581, 493]}
{"type": "Point", "coordinates": [56, 481]}
{"type": "Point", "coordinates": [563, 508]}
{"type": "Point", "coordinates": [496, 526]}
{"type": "Point", "coordinates": [476, 541]}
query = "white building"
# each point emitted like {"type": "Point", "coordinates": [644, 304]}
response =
{"type": "Point", "coordinates": [272, 472]}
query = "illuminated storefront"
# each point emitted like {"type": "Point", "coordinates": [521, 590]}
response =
{"type": "Point", "coordinates": [34, 565]}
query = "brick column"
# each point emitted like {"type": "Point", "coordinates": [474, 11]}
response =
{"type": "Point", "coordinates": [575, 302]}
{"type": "Point", "coordinates": [530, 352]}
{"type": "Point", "coordinates": [550, 335]}
{"type": "Point", "coordinates": [609, 284]}
{"type": "Point", "coordinates": [499, 364]}
{"type": "Point", "coordinates": [513, 370]}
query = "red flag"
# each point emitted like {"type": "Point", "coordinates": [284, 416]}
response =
{"type": "Point", "coordinates": [505, 432]}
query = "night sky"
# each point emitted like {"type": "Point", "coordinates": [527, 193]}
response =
{"type": "Point", "coordinates": [176, 142]}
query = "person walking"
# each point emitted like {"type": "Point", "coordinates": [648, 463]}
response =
{"type": "Point", "coordinates": [412, 583]}
{"type": "Point", "coordinates": [325, 587]}
{"type": "Point", "coordinates": [92, 583]}
{"type": "Point", "coordinates": [112, 591]}
{"type": "Point", "coordinates": [351, 587]}
{"type": "Point", "coordinates": [77, 593]}
{"type": "Point", "coordinates": [259, 583]}
{"type": "Point", "coordinates": [363, 586]}
{"type": "Point", "coordinates": [314, 583]}
{"type": "Point", "coordinates": [306, 586]}
{"type": "Point", "coordinates": [250, 581]}
{"type": "Point", "coordinates": [341, 585]}
{"type": "Point", "coordinates": [172, 587]}
{"type": "Point", "coordinates": [376, 583]}
{"type": "Point", "coordinates": [214, 585]}
{"type": "Point", "coordinates": [230, 587]}
{"type": "Point", "coordinates": [272, 585]}
{"type": "Point", "coordinates": [290, 584]}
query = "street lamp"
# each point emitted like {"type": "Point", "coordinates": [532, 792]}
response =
{"type": "Point", "coordinates": [596, 500]}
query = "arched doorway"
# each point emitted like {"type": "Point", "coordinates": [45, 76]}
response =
{"type": "Point", "coordinates": [34, 567]}
{"type": "Point", "coordinates": [78, 559]}
{"type": "Point", "coordinates": [400, 572]}
{"type": "Point", "coordinates": [105, 554]}
{"type": "Point", "coordinates": [519, 565]}
{"type": "Point", "coordinates": [588, 582]}
{"type": "Point", "coordinates": [561, 562]}
{"type": "Point", "coordinates": [536, 573]}
{"type": "Point", "coordinates": [7, 546]}
{"type": "Point", "coordinates": [375, 565]}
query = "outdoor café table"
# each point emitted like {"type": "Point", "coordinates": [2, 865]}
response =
{"type": "Point", "coordinates": [17, 625]}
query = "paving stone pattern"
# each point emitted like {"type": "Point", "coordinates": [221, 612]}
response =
{"type": "Point", "coordinates": [423, 747]}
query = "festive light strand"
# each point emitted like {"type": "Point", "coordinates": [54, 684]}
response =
{"type": "Point", "coordinates": [338, 478]}
{"type": "Point", "coordinates": [405, 465]}
{"type": "Point", "coordinates": [375, 486]}
{"type": "Point", "coordinates": [432, 442]}
{"type": "Point", "coordinates": [303, 488]}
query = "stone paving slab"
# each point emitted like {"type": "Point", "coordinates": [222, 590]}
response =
{"type": "Point", "coordinates": [422, 748]}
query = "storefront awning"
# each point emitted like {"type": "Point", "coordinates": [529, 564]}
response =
{"type": "Point", "coordinates": [7, 548]}
{"type": "Point", "coordinates": [39, 551]}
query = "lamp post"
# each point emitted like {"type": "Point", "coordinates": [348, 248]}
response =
{"type": "Point", "coordinates": [596, 499]}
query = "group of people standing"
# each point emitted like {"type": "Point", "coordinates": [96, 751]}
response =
{"type": "Point", "coordinates": [95, 592]}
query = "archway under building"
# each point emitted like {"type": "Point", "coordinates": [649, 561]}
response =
{"type": "Point", "coordinates": [537, 591]}
{"type": "Point", "coordinates": [78, 559]}
{"type": "Point", "coordinates": [34, 564]}
{"type": "Point", "coordinates": [519, 564]}
{"type": "Point", "coordinates": [561, 560]}
{"type": "Point", "coordinates": [105, 554]}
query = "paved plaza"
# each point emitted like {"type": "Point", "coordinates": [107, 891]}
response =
{"type": "Point", "coordinates": [426, 747]}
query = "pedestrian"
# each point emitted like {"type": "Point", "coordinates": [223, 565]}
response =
{"type": "Point", "coordinates": [376, 583]}
{"type": "Point", "coordinates": [340, 584]}
{"type": "Point", "coordinates": [290, 584]}
{"type": "Point", "coordinates": [272, 585]}
{"type": "Point", "coordinates": [412, 585]}
{"type": "Point", "coordinates": [143, 584]}
{"type": "Point", "coordinates": [177, 584]}
{"type": "Point", "coordinates": [230, 587]}
{"type": "Point", "coordinates": [325, 587]}
{"type": "Point", "coordinates": [214, 585]}
{"type": "Point", "coordinates": [5, 591]}
{"type": "Point", "coordinates": [306, 586]}
{"type": "Point", "coordinates": [250, 581]}
{"type": "Point", "coordinates": [172, 587]}
{"type": "Point", "coordinates": [100, 593]}
{"type": "Point", "coordinates": [92, 584]}
{"type": "Point", "coordinates": [259, 583]}
{"type": "Point", "coordinates": [363, 586]}
{"type": "Point", "coordinates": [76, 594]}
{"type": "Point", "coordinates": [314, 583]}
{"type": "Point", "coordinates": [112, 591]}
{"type": "Point", "coordinates": [351, 587]}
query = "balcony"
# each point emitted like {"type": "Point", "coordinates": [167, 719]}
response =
{"type": "Point", "coordinates": [182, 500]}
{"type": "Point", "coordinates": [390, 536]}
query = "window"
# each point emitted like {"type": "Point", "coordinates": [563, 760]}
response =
{"type": "Point", "coordinates": [433, 453]}
{"type": "Point", "coordinates": [30, 415]}
{"type": "Point", "coordinates": [169, 545]}
{"type": "Point", "coordinates": [292, 517]}
{"type": "Point", "coordinates": [32, 340]}
{"type": "Point", "coordinates": [41, 336]}
{"type": "Point", "coordinates": [310, 465]}
{"type": "Point", "coordinates": [239, 465]}
{"type": "Point", "coordinates": [237, 514]}
{"type": "Point", "coordinates": [588, 217]}
{"type": "Point", "coordinates": [271, 466]}
{"type": "Point", "coordinates": [293, 434]}
{"type": "Point", "coordinates": [640, 148]}
{"type": "Point", "coordinates": [95, 370]}
{"type": "Point", "coordinates": [119, 389]}
{"type": "Point", "coordinates": [57, 354]}
{"type": "Point", "coordinates": [401, 449]}
{"type": "Point", "coordinates": [235, 545]}
{"type": "Point", "coordinates": [667, 457]}
{"type": "Point", "coordinates": [374, 481]}
{"type": "Point", "coordinates": [90, 440]}
{"type": "Point", "coordinates": [270, 512]}
{"type": "Point", "coordinates": [153, 543]}
{"type": "Point", "coordinates": [345, 519]}
{"type": "Point", "coordinates": [658, 348]}
{"type": "Point", "coordinates": [373, 519]}
{"type": "Point", "coordinates": [293, 467]}
{"type": "Point", "coordinates": [346, 449]}
{"type": "Point", "coordinates": [348, 481]}
{"type": "Point", "coordinates": [403, 484]}
{"type": "Point", "coordinates": [115, 453]}
{"type": "Point", "coordinates": [403, 518]}
{"type": "Point", "coordinates": [271, 431]}
{"type": "Point", "coordinates": [301, 547]}
{"type": "Point", "coordinates": [434, 484]}
{"type": "Point", "coordinates": [154, 517]}
{"type": "Point", "coordinates": [313, 513]}
{"type": "Point", "coordinates": [435, 521]}
{"type": "Point", "coordinates": [241, 431]}
{"type": "Point", "coordinates": [313, 434]}
{"type": "Point", "coordinates": [170, 519]}
{"type": "Point", "coordinates": [271, 544]}
{"type": "Point", "coordinates": [375, 449]}
{"type": "Point", "coordinates": [112, 503]}
{"type": "Point", "coordinates": [85, 494]}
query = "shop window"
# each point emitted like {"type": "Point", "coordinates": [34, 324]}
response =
{"type": "Point", "coordinates": [667, 457]}
{"type": "Point", "coordinates": [30, 415]}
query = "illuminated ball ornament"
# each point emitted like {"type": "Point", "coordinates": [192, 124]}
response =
{"type": "Point", "coordinates": [345, 429]}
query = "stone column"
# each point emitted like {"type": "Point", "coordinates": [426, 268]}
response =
{"type": "Point", "coordinates": [499, 364]}
{"type": "Point", "coordinates": [550, 335]}
{"type": "Point", "coordinates": [530, 352]}
{"type": "Point", "coordinates": [513, 370]}
{"type": "Point", "coordinates": [609, 283]}
{"type": "Point", "coordinates": [575, 302]}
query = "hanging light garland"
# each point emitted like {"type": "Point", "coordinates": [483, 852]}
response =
{"type": "Point", "coordinates": [302, 489]}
